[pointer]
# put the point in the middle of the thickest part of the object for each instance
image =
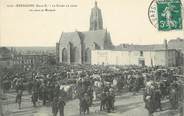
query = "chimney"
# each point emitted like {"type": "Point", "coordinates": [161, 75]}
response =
{"type": "Point", "coordinates": [166, 52]}
{"type": "Point", "coordinates": [165, 44]}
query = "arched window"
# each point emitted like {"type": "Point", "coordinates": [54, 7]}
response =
{"type": "Point", "coordinates": [87, 55]}
{"type": "Point", "coordinates": [64, 55]}
{"type": "Point", "coordinates": [72, 53]}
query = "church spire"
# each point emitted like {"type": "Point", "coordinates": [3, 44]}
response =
{"type": "Point", "coordinates": [96, 21]}
{"type": "Point", "coordinates": [96, 4]}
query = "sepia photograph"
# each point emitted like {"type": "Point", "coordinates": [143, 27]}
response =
{"type": "Point", "coordinates": [92, 58]}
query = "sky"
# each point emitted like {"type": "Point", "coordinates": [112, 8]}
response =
{"type": "Point", "coordinates": [126, 20]}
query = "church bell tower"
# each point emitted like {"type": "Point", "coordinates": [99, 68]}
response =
{"type": "Point", "coordinates": [96, 21]}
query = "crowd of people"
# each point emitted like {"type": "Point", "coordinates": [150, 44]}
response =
{"type": "Point", "coordinates": [170, 88]}
{"type": "Point", "coordinates": [56, 85]}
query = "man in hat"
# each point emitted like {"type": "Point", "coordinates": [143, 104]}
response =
{"type": "Point", "coordinates": [87, 100]}
{"type": "Point", "coordinates": [173, 98]}
{"type": "Point", "coordinates": [149, 105]}
{"type": "Point", "coordinates": [61, 104]}
{"type": "Point", "coordinates": [19, 87]}
{"type": "Point", "coordinates": [108, 102]}
{"type": "Point", "coordinates": [103, 100]}
{"type": "Point", "coordinates": [112, 98]}
{"type": "Point", "coordinates": [19, 98]}
{"type": "Point", "coordinates": [157, 98]}
{"type": "Point", "coordinates": [84, 105]}
{"type": "Point", "coordinates": [55, 106]}
{"type": "Point", "coordinates": [43, 93]}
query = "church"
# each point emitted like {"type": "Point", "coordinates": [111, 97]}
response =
{"type": "Point", "coordinates": [75, 47]}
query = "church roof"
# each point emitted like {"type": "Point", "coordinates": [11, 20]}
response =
{"type": "Point", "coordinates": [88, 37]}
{"type": "Point", "coordinates": [69, 37]}
{"type": "Point", "coordinates": [97, 37]}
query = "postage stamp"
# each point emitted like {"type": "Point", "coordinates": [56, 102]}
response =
{"type": "Point", "coordinates": [166, 15]}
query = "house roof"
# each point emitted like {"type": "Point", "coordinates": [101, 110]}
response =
{"type": "Point", "coordinates": [130, 47]}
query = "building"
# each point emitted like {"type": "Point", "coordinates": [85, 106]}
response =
{"type": "Point", "coordinates": [34, 50]}
{"type": "Point", "coordinates": [169, 57]}
{"type": "Point", "coordinates": [176, 44]}
{"type": "Point", "coordinates": [5, 57]}
{"type": "Point", "coordinates": [29, 59]}
{"type": "Point", "coordinates": [75, 47]}
{"type": "Point", "coordinates": [142, 55]}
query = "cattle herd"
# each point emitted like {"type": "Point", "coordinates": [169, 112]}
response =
{"type": "Point", "coordinates": [55, 85]}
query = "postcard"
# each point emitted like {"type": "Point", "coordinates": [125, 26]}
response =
{"type": "Point", "coordinates": [91, 57]}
